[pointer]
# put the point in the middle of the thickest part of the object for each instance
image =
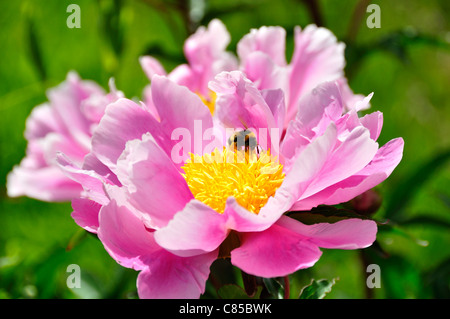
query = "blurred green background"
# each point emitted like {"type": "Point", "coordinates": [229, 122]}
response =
{"type": "Point", "coordinates": [406, 63]}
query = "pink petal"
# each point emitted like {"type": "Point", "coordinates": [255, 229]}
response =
{"type": "Point", "coordinates": [108, 142]}
{"type": "Point", "coordinates": [351, 100]}
{"type": "Point", "coordinates": [316, 110]}
{"type": "Point", "coordinates": [92, 163]}
{"type": "Point", "coordinates": [91, 182]}
{"type": "Point", "coordinates": [123, 233]}
{"type": "Point", "coordinates": [184, 75]}
{"type": "Point", "coordinates": [179, 108]}
{"type": "Point", "coordinates": [146, 169]}
{"type": "Point", "coordinates": [241, 105]}
{"type": "Point", "coordinates": [42, 121]}
{"type": "Point", "coordinates": [93, 108]}
{"type": "Point", "coordinates": [274, 252]}
{"type": "Point", "coordinates": [317, 58]}
{"type": "Point", "coordinates": [203, 230]}
{"type": "Point", "coordinates": [172, 277]}
{"type": "Point", "coordinates": [381, 166]}
{"type": "Point", "coordinates": [350, 233]}
{"type": "Point", "coordinates": [205, 52]}
{"type": "Point", "coordinates": [196, 230]}
{"type": "Point", "coordinates": [47, 184]}
{"type": "Point", "coordinates": [151, 66]}
{"type": "Point", "coordinates": [346, 160]}
{"type": "Point", "coordinates": [206, 43]}
{"type": "Point", "coordinates": [268, 40]}
{"type": "Point", "coordinates": [374, 123]}
{"type": "Point", "coordinates": [290, 245]}
{"type": "Point", "coordinates": [310, 161]}
{"type": "Point", "coordinates": [276, 103]}
{"type": "Point", "coordinates": [66, 101]}
{"type": "Point", "coordinates": [85, 213]}
{"type": "Point", "coordinates": [261, 70]}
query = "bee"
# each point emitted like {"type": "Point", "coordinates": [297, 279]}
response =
{"type": "Point", "coordinates": [244, 140]}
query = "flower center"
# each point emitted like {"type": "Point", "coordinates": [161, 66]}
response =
{"type": "Point", "coordinates": [249, 177]}
{"type": "Point", "coordinates": [209, 101]}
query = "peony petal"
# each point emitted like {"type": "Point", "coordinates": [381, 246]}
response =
{"type": "Point", "coordinates": [316, 110]}
{"type": "Point", "coordinates": [92, 163]}
{"type": "Point", "coordinates": [91, 182]}
{"type": "Point", "coordinates": [268, 40]}
{"type": "Point", "coordinates": [144, 168]}
{"type": "Point", "coordinates": [261, 70]}
{"type": "Point", "coordinates": [42, 121]}
{"type": "Point", "coordinates": [381, 166]}
{"type": "Point", "coordinates": [350, 233]}
{"type": "Point", "coordinates": [179, 109]}
{"type": "Point", "coordinates": [352, 101]}
{"type": "Point", "coordinates": [205, 52]}
{"type": "Point", "coordinates": [317, 58]}
{"type": "Point", "coordinates": [346, 160]}
{"type": "Point", "coordinates": [294, 184]}
{"type": "Point", "coordinates": [206, 44]}
{"type": "Point", "coordinates": [151, 66]}
{"type": "Point", "coordinates": [108, 142]}
{"type": "Point", "coordinates": [66, 100]}
{"type": "Point", "coordinates": [195, 230]}
{"type": "Point", "coordinates": [241, 105]}
{"type": "Point", "coordinates": [123, 233]}
{"type": "Point", "coordinates": [275, 252]}
{"type": "Point", "coordinates": [172, 277]}
{"type": "Point", "coordinates": [85, 213]}
{"type": "Point", "coordinates": [47, 184]}
{"type": "Point", "coordinates": [374, 123]}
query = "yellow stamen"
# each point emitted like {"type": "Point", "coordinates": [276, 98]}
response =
{"type": "Point", "coordinates": [251, 180]}
{"type": "Point", "coordinates": [209, 101]}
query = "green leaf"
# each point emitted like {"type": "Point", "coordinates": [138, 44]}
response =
{"type": "Point", "coordinates": [274, 287]}
{"type": "Point", "coordinates": [438, 279]}
{"type": "Point", "coordinates": [231, 291]}
{"type": "Point", "coordinates": [35, 51]}
{"type": "Point", "coordinates": [427, 220]}
{"type": "Point", "coordinates": [404, 193]}
{"type": "Point", "coordinates": [317, 289]}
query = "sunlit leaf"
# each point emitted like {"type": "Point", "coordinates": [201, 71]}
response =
{"type": "Point", "coordinates": [274, 287]}
{"type": "Point", "coordinates": [317, 289]}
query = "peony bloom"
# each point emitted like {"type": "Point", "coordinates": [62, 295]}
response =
{"type": "Point", "coordinates": [169, 214]}
{"type": "Point", "coordinates": [261, 54]}
{"type": "Point", "coordinates": [64, 124]}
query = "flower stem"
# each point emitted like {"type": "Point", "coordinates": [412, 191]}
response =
{"type": "Point", "coordinates": [287, 290]}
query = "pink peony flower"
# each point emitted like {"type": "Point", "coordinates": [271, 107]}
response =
{"type": "Point", "coordinates": [318, 57]}
{"type": "Point", "coordinates": [64, 124]}
{"type": "Point", "coordinates": [170, 219]}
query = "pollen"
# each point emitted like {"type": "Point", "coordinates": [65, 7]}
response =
{"type": "Point", "coordinates": [250, 178]}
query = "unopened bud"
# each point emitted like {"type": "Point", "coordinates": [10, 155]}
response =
{"type": "Point", "coordinates": [367, 203]}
